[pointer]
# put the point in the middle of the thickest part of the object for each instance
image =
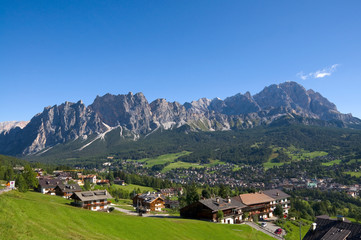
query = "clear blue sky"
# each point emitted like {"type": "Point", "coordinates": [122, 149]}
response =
{"type": "Point", "coordinates": [56, 51]}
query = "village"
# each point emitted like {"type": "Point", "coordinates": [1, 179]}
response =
{"type": "Point", "coordinates": [73, 185]}
{"type": "Point", "coordinates": [262, 207]}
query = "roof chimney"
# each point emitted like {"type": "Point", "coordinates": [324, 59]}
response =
{"type": "Point", "coordinates": [340, 218]}
{"type": "Point", "coordinates": [277, 193]}
{"type": "Point", "coordinates": [217, 199]}
{"type": "Point", "coordinates": [314, 225]}
{"type": "Point", "coordinates": [228, 199]}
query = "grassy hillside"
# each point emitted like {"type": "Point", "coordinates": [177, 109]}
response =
{"type": "Point", "coordinates": [131, 187]}
{"type": "Point", "coordinates": [36, 216]}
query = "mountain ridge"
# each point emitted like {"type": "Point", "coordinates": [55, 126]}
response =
{"type": "Point", "coordinates": [136, 117]}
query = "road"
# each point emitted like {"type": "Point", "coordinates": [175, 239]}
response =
{"type": "Point", "coordinates": [269, 229]}
{"type": "Point", "coordinates": [133, 213]}
{"type": "Point", "coordinates": [5, 190]}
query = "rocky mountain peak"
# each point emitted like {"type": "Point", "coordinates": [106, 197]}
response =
{"type": "Point", "coordinates": [135, 116]}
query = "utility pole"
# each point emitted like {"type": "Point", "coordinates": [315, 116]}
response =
{"type": "Point", "coordinates": [300, 231]}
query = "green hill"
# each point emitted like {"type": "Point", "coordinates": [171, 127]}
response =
{"type": "Point", "coordinates": [249, 146]}
{"type": "Point", "coordinates": [36, 216]}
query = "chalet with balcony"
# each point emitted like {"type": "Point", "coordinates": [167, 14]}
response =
{"type": "Point", "coordinates": [67, 190]}
{"type": "Point", "coordinates": [148, 202]}
{"type": "Point", "coordinates": [47, 185]}
{"type": "Point", "coordinates": [279, 197]}
{"type": "Point", "coordinates": [207, 209]}
{"type": "Point", "coordinates": [92, 200]}
{"type": "Point", "coordinates": [170, 192]}
{"type": "Point", "coordinates": [257, 203]}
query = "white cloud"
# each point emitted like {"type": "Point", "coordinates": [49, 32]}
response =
{"type": "Point", "coordinates": [319, 73]}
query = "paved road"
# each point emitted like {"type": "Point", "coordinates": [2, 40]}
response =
{"type": "Point", "coordinates": [267, 230]}
{"type": "Point", "coordinates": [5, 190]}
{"type": "Point", "coordinates": [133, 213]}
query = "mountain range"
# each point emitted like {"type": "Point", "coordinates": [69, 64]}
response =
{"type": "Point", "coordinates": [134, 117]}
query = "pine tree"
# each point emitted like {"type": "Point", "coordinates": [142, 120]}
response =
{"type": "Point", "coordinates": [21, 184]}
{"type": "Point", "coordinates": [30, 177]}
{"type": "Point", "coordinates": [87, 186]}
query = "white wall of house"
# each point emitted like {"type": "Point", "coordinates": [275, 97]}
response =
{"type": "Point", "coordinates": [227, 221]}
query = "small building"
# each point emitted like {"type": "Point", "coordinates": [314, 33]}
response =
{"type": "Point", "coordinates": [207, 209]}
{"type": "Point", "coordinates": [170, 192]}
{"type": "Point", "coordinates": [90, 178]}
{"type": "Point", "coordinates": [279, 197]}
{"type": "Point", "coordinates": [92, 200]}
{"type": "Point", "coordinates": [67, 190]}
{"type": "Point", "coordinates": [47, 185]}
{"type": "Point", "coordinates": [118, 181]}
{"type": "Point", "coordinates": [173, 204]}
{"type": "Point", "coordinates": [103, 182]}
{"type": "Point", "coordinates": [148, 202]}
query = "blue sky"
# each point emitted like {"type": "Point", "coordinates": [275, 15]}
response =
{"type": "Point", "coordinates": [57, 51]}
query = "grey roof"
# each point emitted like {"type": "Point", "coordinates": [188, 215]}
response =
{"type": "Point", "coordinates": [69, 188]}
{"type": "Point", "coordinates": [339, 230]}
{"type": "Point", "coordinates": [91, 195]}
{"type": "Point", "coordinates": [150, 197]}
{"type": "Point", "coordinates": [49, 182]}
{"type": "Point", "coordinates": [222, 204]}
{"type": "Point", "coordinates": [276, 194]}
{"type": "Point", "coordinates": [336, 234]}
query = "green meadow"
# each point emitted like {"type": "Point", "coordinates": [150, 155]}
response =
{"type": "Point", "coordinates": [32, 215]}
{"type": "Point", "coordinates": [162, 159]}
{"type": "Point", "coordinates": [131, 187]}
{"type": "Point", "coordinates": [296, 154]}
{"type": "Point", "coordinates": [331, 163]}
{"type": "Point", "coordinates": [354, 174]}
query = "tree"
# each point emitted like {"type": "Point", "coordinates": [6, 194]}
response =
{"type": "Point", "coordinates": [191, 194]}
{"type": "Point", "coordinates": [278, 211]}
{"type": "Point", "coordinates": [9, 174]}
{"type": "Point", "coordinates": [224, 191]}
{"type": "Point", "coordinates": [220, 215]}
{"type": "Point", "coordinates": [30, 177]}
{"type": "Point", "coordinates": [21, 184]}
{"type": "Point", "coordinates": [111, 178]}
{"type": "Point", "coordinates": [205, 193]}
{"type": "Point", "coordinates": [87, 186]}
{"type": "Point", "coordinates": [245, 215]}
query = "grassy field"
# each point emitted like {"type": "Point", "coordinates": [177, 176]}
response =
{"type": "Point", "coordinates": [170, 158]}
{"type": "Point", "coordinates": [295, 154]}
{"type": "Point", "coordinates": [181, 165]}
{"type": "Point", "coordinates": [130, 188]}
{"type": "Point", "coordinates": [166, 158]}
{"type": "Point", "coordinates": [354, 174]}
{"type": "Point", "coordinates": [331, 163]}
{"type": "Point", "coordinates": [354, 161]}
{"type": "Point", "coordinates": [293, 230]}
{"type": "Point", "coordinates": [36, 216]}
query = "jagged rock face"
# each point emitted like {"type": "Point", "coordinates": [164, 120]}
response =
{"type": "Point", "coordinates": [5, 127]}
{"type": "Point", "coordinates": [54, 125]}
{"type": "Point", "coordinates": [135, 116]}
{"type": "Point", "coordinates": [62, 123]}
{"type": "Point", "coordinates": [240, 104]}
{"type": "Point", "coordinates": [297, 94]}
{"type": "Point", "coordinates": [273, 97]}
{"type": "Point", "coordinates": [166, 114]}
{"type": "Point", "coordinates": [130, 111]}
